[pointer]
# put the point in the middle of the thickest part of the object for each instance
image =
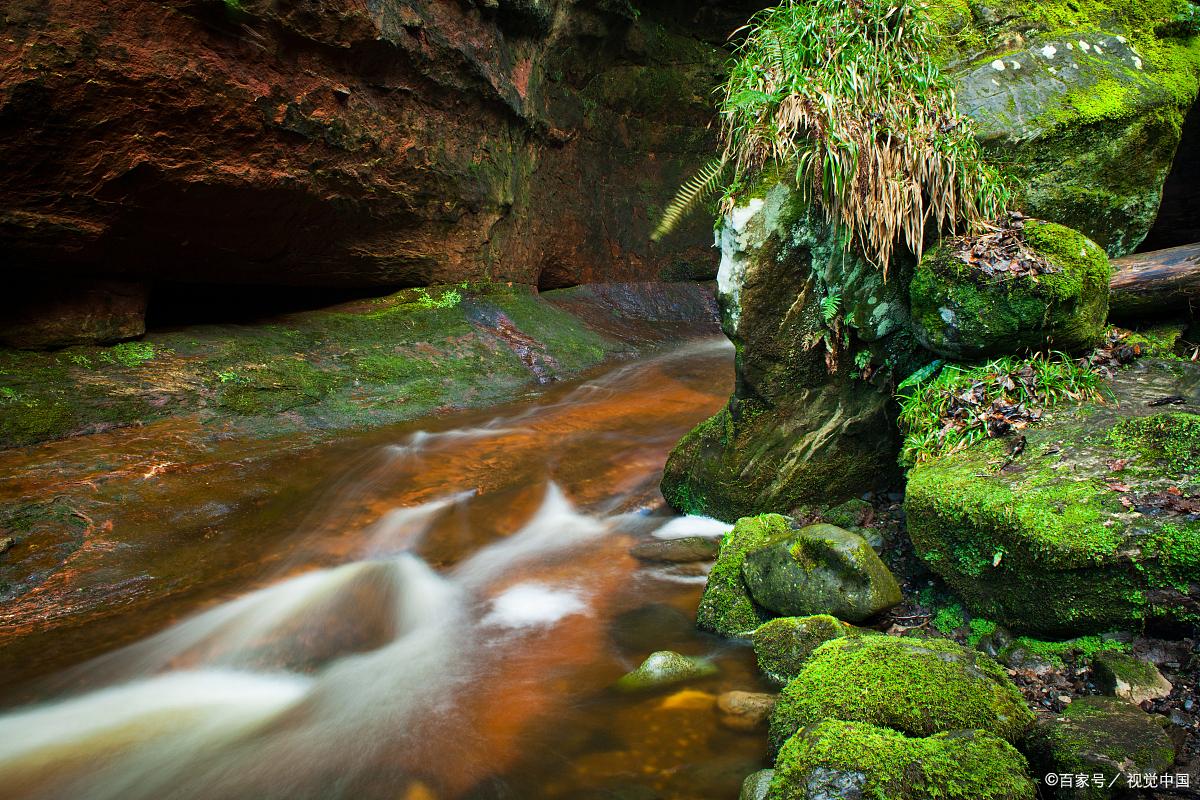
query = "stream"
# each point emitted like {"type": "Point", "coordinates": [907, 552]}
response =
{"type": "Point", "coordinates": [442, 615]}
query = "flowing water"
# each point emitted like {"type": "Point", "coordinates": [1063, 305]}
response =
{"type": "Point", "coordinates": [443, 616]}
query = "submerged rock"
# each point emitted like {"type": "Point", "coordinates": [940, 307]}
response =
{"type": "Point", "coordinates": [1128, 678]}
{"type": "Point", "coordinates": [960, 313]}
{"type": "Point", "coordinates": [918, 687]}
{"type": "Point", "coordinates": [664, 668]}
{"type": "Point", "coordinates": [784, 644]}
{"type": "Point", "coordinates": [745, 711]}
{"type": "Point", "coordinates": [684, 550]}
{"type": "Point", "coordinates": [726, 606]}
{"type": "Point", "coordinates": [838, 760]}
{"type": "Point", "coordinates": [820, 569]}
{"type": "Point", "coordinates": [1100, 735]}
{"type": "Point", "coordinates": [1089, 529]}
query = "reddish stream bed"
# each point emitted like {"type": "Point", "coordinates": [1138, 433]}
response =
{"type": "Point", "coordinates": [434, 610]}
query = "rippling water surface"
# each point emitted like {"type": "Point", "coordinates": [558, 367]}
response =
{"type": "Point", "coordinates": [440, 613]}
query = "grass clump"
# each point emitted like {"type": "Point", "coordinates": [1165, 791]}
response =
{"type": "Point", "coordinates": [846, 97]}
{"type": "Point", "coordinates": [964, 404]}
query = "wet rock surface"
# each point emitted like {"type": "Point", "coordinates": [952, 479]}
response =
{"type": "Point", "coordinates": [665, 668]}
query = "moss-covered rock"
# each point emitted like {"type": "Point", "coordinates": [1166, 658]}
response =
{"type": "Point", "coordinates": [783, 645]}
{"type": "Point", "coordinates": [835, 760]}
{"type": "Point", "coordinates": [820, 569]}
{"type": "Point", "coordinates": [1070, 537]}
{"type": "Point", "coordinates": [1100, 735]}
{"type": "Point", "coordinates": [918, 687]}
{"type": "Point", "coordinates": [808, 320]}
{"type": "Point", "coordinates": [960, 313]}
{"type": "Point", "coordinates": [665, 668]}
{"type": "Point", "coordinates": [726, 606]}
{"type": "Point", "coordinates": [1128, 677]}
{"type": "Point", "coordinates": [1081, 103]}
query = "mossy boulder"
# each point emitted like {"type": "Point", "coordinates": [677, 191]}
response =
{"type": "Point", "coordinates": [1100, 736]}
{"type": "Point", "coordinates": [1076, 535]}
{"type": "Point", "coordinates": [665, 668]}
{"type": "Point", "coordinates": [1128, 677]}
{"type": "Point", "coordinates": [918, 687]}
{"type": "Point", "coordinates": [820, 569]}
{"type": "Point", "coordinates": [726, 606]}
{"type": "Point", "coordinates": [1081, 103]}
{"type": "Point", "coordinates": [784, 644]}
{"type": "Point", "coordinates": [960, 313]}
{"type": "Point", "coordinates": [756, 785]}
{"type": "Point", "coordinates": [803, 425]}
{"type": "Point", "coordinates": [834, 760]}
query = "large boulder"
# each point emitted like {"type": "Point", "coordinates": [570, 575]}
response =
{"type": "Point", "coordinates": [837, 760]}
{"type": "Point", "coordinates": [958, 312]}
{"type": "Point", "coordinates": [1082, 103]}
{"type": "Point", "coordinates": [1100, 736]}
{"type": "Point", "coordinates": [820, 569]}
{"type": "Point", "coordinates": [918, 687]}
{"type": "Point", "coordinates": [1092, 528]}
{"type": "Point", "coordinates": [810, 322]}
{"type": "Point", "coordinates": [726, 606]}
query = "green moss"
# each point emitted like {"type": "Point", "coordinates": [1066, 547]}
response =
{"type": "Point", "coordinates": [726, 606]}
{"type": "Point", "coordinates": [1081, 647]}
{"type": "Point", "coordinates": [1157, 342]}
{"type": "Point", "coordinates": [948, 619]}
{"type": "Point", "coordinates": [1110, 667]}
{"type": "Point", "coordinates": [783, 645]}
{"type": "Point", "coordinates": [1048, 549]}
{"type": "Point", "coordinates": [964, 765]}
{"type": "Point", "coordinates": [918, 687]}
{"type": "Point", "coordinates": [961, 313]}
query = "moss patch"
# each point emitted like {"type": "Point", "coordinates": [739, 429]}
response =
{"type": "Point", "coordinates": [960, 313]}
{"type": "Point", "coordinates": [918, 687]}
{"type": "Point", "coordinates": [844, 759]}
{"type": "Point", "coordinates": [784, 644]}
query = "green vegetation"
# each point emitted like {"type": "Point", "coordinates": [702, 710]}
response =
{"type": "Point", "coordinates": [918, 687]}
{"type": "Point", "coordinates": [1081, 647]}
{"type": "Point", "coordinates": [928, 412]}
{"type": "Point", "coordinates": [963, 765]}
{"type": "Point", "coordinates": [846, 97]}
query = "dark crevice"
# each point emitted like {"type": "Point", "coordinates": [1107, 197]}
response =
{"type": "Point", "coordinates": [177, 304]}
{"type": "Point", "coordinates": [1178, 220]}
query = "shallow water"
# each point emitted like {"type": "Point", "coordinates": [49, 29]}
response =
{"type": "Point", "coordinates": [432, 611]}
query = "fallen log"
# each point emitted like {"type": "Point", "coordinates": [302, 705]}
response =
{"type": "Point", "coordinates": [1155, 284]}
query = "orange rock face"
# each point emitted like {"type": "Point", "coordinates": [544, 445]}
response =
{"type": "Point", "coordinates": [352, 143]}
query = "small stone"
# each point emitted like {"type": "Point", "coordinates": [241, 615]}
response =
{"type": "Point", "coordinates": [784, 644]}
{"type": "Point", "coordinates": [756, 785]}
{"type": "Point", "coordinates": [1129, 678]}
{"type": "Point", "coordinates": [7, 543]}
{"type": "Point", "coordinates": [685, 550]}
{"type": "Point", "coordinates": [745, 711]}
{"type": "Point", "coordinates": [664, 668]}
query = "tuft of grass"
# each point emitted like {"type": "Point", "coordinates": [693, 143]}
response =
{"type": "Point", "coordinates": [129, 354]}
{"type": "Point", "coordinates": [932, 411]}
{"type": "Point", "coordinates": [848, 97]}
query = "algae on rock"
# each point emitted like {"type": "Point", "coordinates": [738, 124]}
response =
{"type": "Point", "coordinates": [726, 606]}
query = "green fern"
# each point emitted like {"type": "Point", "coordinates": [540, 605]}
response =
{"type": "Point", "coordinates": [830, 305]}
{"type": "Point", "coordinates": [690, 195]}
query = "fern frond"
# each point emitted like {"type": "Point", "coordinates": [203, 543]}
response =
{"type": "Point", "coordinates": [689, 196]}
